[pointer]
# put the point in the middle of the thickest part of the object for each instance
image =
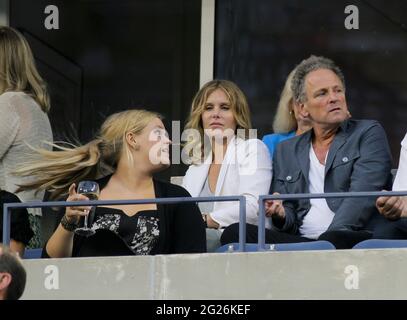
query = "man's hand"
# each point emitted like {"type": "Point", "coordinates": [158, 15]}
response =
{"type": "Point", "coordinates": [275, 208]}
{"type": "Point", "coordinates": [392, 208]}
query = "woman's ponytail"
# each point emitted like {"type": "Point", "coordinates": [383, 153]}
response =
{"type": "Point", "coordinates": [55, 171]}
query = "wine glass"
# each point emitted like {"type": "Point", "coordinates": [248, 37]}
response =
{"type": "Point", "coordinates": [91, 190]}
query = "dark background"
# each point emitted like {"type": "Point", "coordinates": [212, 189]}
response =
{"type": "Point", "coordinates": [111, 55]}
{"type": "Point", "coordinates": [259, 42]}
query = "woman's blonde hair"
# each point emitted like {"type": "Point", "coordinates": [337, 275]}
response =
{"type": "Point", "coordinates": [55, 171]}
{"type": "Point", "coordinates": [238, 104]}
{"type": "Point", "coordinates": [284, 120]}
{"type": "Point", "coordinates": [17, 68]}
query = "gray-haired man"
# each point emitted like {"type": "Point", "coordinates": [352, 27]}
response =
{"type": "Point", "coordinates": [338, 154]}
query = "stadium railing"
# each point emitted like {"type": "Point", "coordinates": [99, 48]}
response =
{"type": "Point", "coordinates": [261, 245]}
{"type": "Point", "coordinates": [39, 204]}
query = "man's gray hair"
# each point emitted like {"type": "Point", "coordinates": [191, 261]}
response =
{"type": "Point", "coordinates": [306, 66]}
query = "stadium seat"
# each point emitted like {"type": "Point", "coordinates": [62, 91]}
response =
{"type": "Point", "coordinates": [32, 253]}
{"type": "Point", "coordinates": [300, 246]}
{"type": "Point", "coordinates": [381, 244]}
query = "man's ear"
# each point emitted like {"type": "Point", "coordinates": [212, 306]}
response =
{"type": "Point", "coordinates": [5, 279]}
{"type": "Point", "coordinates": [302, 109]}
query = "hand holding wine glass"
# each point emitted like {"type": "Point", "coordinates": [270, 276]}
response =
{"type": "Point", "coordinates": [73, 214]}
{"type": "Point", "coordinates": [89, 189]}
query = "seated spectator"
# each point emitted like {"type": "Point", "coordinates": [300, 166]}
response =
{"type": "Point", "coordinates": [20, 233]}
{"type": "Point", "coordinates": [12, 275]}
{"type": "Point", "coordinates": [288, 121]}
{"type": "Point", "coordinates": [131, 146]}
{"type": "Point", "coordinates": [395, 208]}
{"type": "Point", "coordinates": [337, 155]}
{"type": "Point", "coordinates": [24, 105]}
{"type": "Point", "coordinates": [223, 161]}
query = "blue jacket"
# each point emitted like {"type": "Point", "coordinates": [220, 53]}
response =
{"type": "Point", "coordinates": [272, 140]}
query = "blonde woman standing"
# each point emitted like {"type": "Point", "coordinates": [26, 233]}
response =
{"type": "Point", "coordinates": [224, 162]}
{"type": "Point", "coordinates": [131, 146]}
{"type": "Point", "coordinates": [24, 104]}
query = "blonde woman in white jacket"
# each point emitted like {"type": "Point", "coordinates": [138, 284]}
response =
{"type": "Point", "coordinates": [224, 160]}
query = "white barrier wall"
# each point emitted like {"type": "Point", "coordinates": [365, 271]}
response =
{"type": "Point", "coordinates": [341, 274]}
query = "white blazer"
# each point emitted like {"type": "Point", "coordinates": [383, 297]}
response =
{"type": "Point", "coordinates": [245, 170]}
{"type": "Point", "coordinates": [400, 183]}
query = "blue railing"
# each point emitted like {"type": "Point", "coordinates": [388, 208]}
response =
{"type": "Point", "coordinates": [39, 204]}
{"type": "Point", "coordinates": [242, 207]}
{"type": "Point", "coordinates": [298, 196]}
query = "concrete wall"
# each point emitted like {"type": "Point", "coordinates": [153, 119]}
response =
{"type": "Point", "coordinates": [346, 274]}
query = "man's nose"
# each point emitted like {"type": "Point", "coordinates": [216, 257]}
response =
{"type": "Point", "coordinates": [333, 96]}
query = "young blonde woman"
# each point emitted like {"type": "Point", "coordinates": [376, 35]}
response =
{"type": "Point", "coordinates": [223, 161]}
{"type": "Point", "coordinates": [131, 146]}
{"type": "Point", "coordinates": [288, 121]}
{"type": "Point", "coordinates": [24, 104]}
